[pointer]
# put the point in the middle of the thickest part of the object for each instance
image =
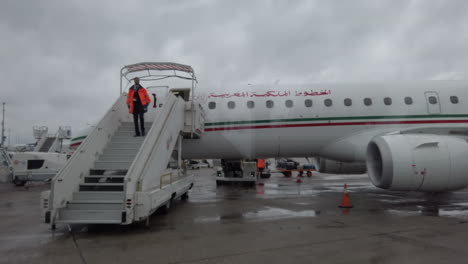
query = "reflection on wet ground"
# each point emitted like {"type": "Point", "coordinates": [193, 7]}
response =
{"type": "Point", "coordinates": [330, 187]}
{"type": "Point", "coordinates": [267, 213]}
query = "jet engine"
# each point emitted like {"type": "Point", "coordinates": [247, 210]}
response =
{"type": "Point", "coordinates": [418, 162]}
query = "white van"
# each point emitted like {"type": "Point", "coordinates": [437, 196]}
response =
{"type": "Point", "coordinates": [36, 166]}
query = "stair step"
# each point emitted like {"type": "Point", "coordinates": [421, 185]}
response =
{"type": "Point", "coordinates": [124, 145]}
{"type": "Point", "coordinates": [104, 179]}
{"type": "Point", "coordinates": [120, 151]}
{"type": "Point", "coordinates": [101, 172]}
{"type": "Point", "coordinates": [96, 205]}
{"type": "Point", "coordinates": [112, 165]}
{"type": "Point", "coordinates": [130, 139]}
{"type": "Point", "coordinates": [131, 129]}
{"type": "Point", "coordinates": [116, 157]}
{"type": "Point", "coordinates": [130, 124]}
{"type": "Point", "coordinates": [107, 196]}
{"type": "Point", "coordinates": [127, 133]}
{"type": "Point", "coordinates": [101, 187]}
{"type": "Point", "coordinates": [90, 216]}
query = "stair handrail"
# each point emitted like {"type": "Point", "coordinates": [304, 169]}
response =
{"type": "Point", "coordinates": [67, 180]}
{"type": "Point", "coordinates": [40, 142]}
{"type": "Point", "coordinates": [137, 167]}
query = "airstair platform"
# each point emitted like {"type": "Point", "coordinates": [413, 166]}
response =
{"type": "Point", "coordinates": [116, 178]}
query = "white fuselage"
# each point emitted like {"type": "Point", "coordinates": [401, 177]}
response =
{"type": "Point", "coordinates": [240, 125]}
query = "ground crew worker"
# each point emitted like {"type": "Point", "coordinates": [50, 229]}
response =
{"type": "Point", "coordinates": [138, 101]}
{"type": "Point", "coordinates": [260, 165]}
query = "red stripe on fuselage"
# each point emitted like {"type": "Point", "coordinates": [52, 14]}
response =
{"type": "Point", "coordinates": [363, 123]}
{"type": "Point", "coordinates": [75, 144]}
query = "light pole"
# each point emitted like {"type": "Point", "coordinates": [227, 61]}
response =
{"type": "Point", "coordinates": [3, 126]}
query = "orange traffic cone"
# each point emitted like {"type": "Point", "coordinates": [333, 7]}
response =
{"type": "Point", "coordinates": [345, 202]}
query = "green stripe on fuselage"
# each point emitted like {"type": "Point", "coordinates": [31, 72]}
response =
{"type": "Point", "coordinates": [78, 138]}
{"type": "Point", "coordinates": [265, 121]}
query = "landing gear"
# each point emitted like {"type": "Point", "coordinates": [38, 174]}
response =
{"type": "Point", "coordinates": [309, 174]}
{"type": "Point", "coordinates": [165, 208]}
{"type": "Point", "coordinates": [19, 182]}
{"type": "Point", "coordinates": [184, 197]}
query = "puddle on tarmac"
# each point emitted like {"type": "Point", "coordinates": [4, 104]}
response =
{"type": "Point", "coordinates": [268, 213]}
{"type": "Point", "coordinates": [456, 210]}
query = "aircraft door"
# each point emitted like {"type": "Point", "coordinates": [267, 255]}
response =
{"type": "Point", "coordinates": [432, 102]}
{"type": "Point", "coordinates": [159, 93]}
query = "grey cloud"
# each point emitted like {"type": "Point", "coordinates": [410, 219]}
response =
{"type": "Point", "coordinates": [65, 56]}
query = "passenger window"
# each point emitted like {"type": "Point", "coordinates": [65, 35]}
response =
{"type": "Point", "coordinates": [454, 99]}
{"type": "Point", "coordinates": [387, 101]}
{"type": "Point", "coordinates": [231, 105]}
{"type": "Point", "coordinates": [35, 164]}
{"type": "Point", "coordinates": [367, 101]}
{"type": "Point", "coordinates": [308, 103]}
{"type": "Point", "coordinates": [408, 100]}
{"type": "Point", "coordinates": [269, 104]}
{"type": "Point", "coordinates": [348, 102]}
{"type": "Point", "coordinates": [432, 100]}
{"type": "Point", "coordinates": [250, 104]}
{"type": "Point", "coordinates": [289, 103]}
{"type": "Point", "coordinates": [211, 105]}
{"type": "Point", "coordinates": [328, 102]}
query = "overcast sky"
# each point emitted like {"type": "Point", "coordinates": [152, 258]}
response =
{"type": "Point", "coordinates": [60, 60]}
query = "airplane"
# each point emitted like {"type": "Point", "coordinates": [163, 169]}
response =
{"type": "Point", "coordinates": [411, 135]}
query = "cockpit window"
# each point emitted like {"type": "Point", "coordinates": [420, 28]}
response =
{"type": "Point", "coordinates": [211, 105]}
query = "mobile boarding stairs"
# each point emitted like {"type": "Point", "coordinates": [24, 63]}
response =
{"type": "Point", "coordinates": [51, 143]}
{"type": "Point", "coordinates": [116, 178]}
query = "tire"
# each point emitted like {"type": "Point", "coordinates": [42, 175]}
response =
{"type": "Point", "coordinates": [18, 182]}
{"type": "Point", "coordinates": [309, 174]}
{"type": "Point", "coordinates": [184, 196]}
{"type": "Point", "coordinates": [165, 208]}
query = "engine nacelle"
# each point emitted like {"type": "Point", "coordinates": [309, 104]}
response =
{"type": "Point", "coordinates": [418, 162]}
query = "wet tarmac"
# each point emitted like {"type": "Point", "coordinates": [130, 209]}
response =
{"type": "Point", "coordinates": [280, 221]}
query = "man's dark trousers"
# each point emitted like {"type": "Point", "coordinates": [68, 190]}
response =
{"type": "Point", "coordinates": [138, 113]}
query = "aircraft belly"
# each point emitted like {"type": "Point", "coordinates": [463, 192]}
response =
{"type": "Point", "coordinates": [252, 143]}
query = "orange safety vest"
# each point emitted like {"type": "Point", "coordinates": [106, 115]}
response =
{"type": "Point", "coordinates": [144, 97]}
{"type": "Point", "coordinates": [260, 163]}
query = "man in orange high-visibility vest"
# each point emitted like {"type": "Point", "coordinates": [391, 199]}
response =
{"type": "Point", "coordinates": [260, 165]}
{"type": "Point", "coordinates": [138, 101]}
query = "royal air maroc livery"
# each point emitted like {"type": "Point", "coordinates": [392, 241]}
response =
{"type": "Point", "coordinates": [411, 135]}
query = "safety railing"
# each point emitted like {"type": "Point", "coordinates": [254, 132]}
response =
{"type": "Point", "coordinates": [161, 178]}
{"type": "Point", "coordinates": [152, 140]}
{"type": "Point", "coordinates": [67, 180]}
